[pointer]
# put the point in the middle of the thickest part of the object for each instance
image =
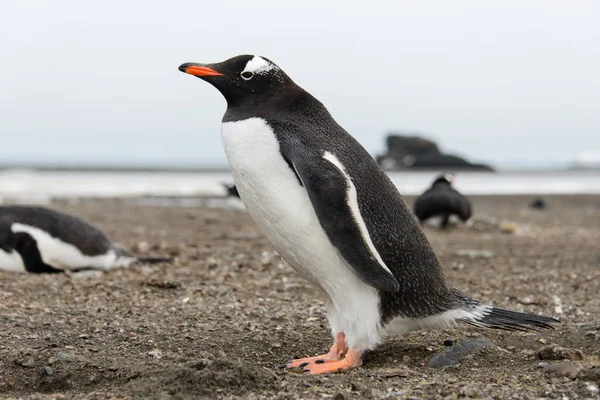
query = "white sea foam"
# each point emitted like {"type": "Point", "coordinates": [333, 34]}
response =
{"type": "Point", "coordinates": [41, 186]}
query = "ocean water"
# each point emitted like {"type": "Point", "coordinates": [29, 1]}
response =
{"type": "Point", "coordinates": [41, 186]}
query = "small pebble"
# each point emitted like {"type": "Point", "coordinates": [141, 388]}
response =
{"type": "Point", "coordinates": [156, 353]}
{"type": "Point", "coordinates": [48, 371]}
{"type": "Point", "coordinates": [62, 356]}
{"type": "Point", "coordinates": [28, 362]}
{"type": "Point", "coordinates": [568, 369]}
{"type": "Point", "coordinates": [141, 247]}
{"type": "Point", "coordinates": [460, 351]}
{"type": "Point", "coordinates": [554, 352]}
{"type": "Point", "coordinates": [52, 360]}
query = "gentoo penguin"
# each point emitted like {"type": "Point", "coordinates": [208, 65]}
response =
{"type": "Point", "coordinates": [538, 203]}
{"type": "Point", "coordinates": [38, 239]}
{"type": "Point", "coordinates": [232, 190]}
{"type": "Point", "coordinates": [335, 216]}
{"type": "Point", "coordinates": [442, 200]}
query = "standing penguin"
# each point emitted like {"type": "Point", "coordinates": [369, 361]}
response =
{"type": "Point", "coordinates": [335, 216]}
{"type": "Point", "coordinates": [442, 200]}
{"type": "Point", "coordinates": [41, 240]}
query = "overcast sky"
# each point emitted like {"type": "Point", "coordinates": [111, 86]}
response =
{"type": "Point", "coordinates": [496, 81]}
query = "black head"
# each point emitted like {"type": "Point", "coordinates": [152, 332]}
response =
{"type": "Point", "coordinates": [444, 179]}
{"type": "Point", "coordinates": [243, 80]}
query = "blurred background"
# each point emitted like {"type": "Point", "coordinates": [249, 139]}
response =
{"type": "Point", "coordinates": [507, 93]}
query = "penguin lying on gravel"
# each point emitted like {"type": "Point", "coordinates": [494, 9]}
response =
{"type": "Point", "coordinates": [38, 240]}
{"type": "Point", "coordinates": [335, 216]}
{"type": "Point", "coordinates": [442, 200]}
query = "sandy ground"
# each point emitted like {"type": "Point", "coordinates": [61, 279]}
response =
{"type": "Point", "coordinates": [218, 322]}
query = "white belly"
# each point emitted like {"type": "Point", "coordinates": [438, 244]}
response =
{"type": "Point", "coordinates": [64, 256]}
{"type": "Point", "coordinates": [282, 209]}
{"type": "Point", "coordinates": [11, 261]}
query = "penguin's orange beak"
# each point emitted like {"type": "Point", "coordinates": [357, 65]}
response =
{"type": "Point", "coordinates": [198, 70]}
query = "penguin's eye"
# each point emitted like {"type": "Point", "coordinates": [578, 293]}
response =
{"type": "Point", "coordinates": [247, 75]}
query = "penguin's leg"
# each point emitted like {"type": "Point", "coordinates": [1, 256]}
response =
{"type": "Point", "coordinates": [445, 221]}
{"type": "Point", "coordinates": [338, 349]}
{"type": "Point", "coordinates": [336, 353]}
{"type": "Point", "coordinates": [358, 316]}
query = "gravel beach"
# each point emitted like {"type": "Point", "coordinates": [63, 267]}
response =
{"type": "Point", "coordinates": [218, 321]}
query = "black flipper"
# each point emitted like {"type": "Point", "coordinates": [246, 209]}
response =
{"type": "Point", "coordinates": [27, 247]}
{"type": "Point", "coordinates": [328, 189]}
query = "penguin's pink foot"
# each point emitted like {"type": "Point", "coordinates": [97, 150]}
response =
{"type": "Point", "coordinates": [352, 360]}
{"type": "Point", "coordinates": [336, 353]}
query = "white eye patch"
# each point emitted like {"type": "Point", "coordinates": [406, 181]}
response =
{"type": "Point", "coordinates": [258, 65]}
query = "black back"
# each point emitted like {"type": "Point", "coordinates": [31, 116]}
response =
{"type": "Point", "coordinates": [441, 199]}
{"type": "Point", "coordinates": [89, 240]}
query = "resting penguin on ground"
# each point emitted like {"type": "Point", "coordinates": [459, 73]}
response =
{"type": "Point", "coordinates": [335, 216]}
{"type": "Point", "coordinates": [37, 239]}
{"type": "Point", "coordinates": [442, 200]}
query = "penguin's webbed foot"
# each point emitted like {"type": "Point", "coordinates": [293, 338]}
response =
{"type": "Point", "coordinates": [336, 353]}
{"type": "Point", "coordinates": [303, 362]}
{"type": "Point", "coordinates": [352, 360]}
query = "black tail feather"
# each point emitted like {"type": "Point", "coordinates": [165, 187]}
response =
{"type": "Point", "coordinates": [143, 260]}
{"type": "Point", "coordinates": [499, 318]}
{"type": "Point", "coordinates": [153, 260]}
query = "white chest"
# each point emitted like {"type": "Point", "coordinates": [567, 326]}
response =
{"type": "Point", "coordinates": [276, 201]}
{"type": "Point", "coordinates": [282, 209]}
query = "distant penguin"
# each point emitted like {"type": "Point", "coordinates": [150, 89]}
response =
{"type": "Point", "coordinates": [41, 240]}
{"type": "Point", "coordinates": [538, 203]}
{"type": "Point", "coordinates": [232, 190]}
{"type": "Point", "coordinates": [335, 216]}
{"type": "Point", "coordinates": [443, 201]}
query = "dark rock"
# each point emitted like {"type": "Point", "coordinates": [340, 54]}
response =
{"type": "Point", "coordinates": [568, 369]}
{"type": "Point", "coordinates": [414, 152]}
{"type": "Point", "coordinates": [28, 362]}
{"type": "Point", "coordinates": [458, 352]}
{"type": "Point", "coordinates": [590, 375]}
{"type": "Point", "coordinates": [554, 352]}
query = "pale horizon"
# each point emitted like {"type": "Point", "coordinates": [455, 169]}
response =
{"type": "Point", "coordinates": [510, 84]}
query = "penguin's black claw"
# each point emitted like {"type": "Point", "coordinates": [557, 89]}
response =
{"type": "Point", "coordinates": [320, 362]}
{"type": "Point", "coordinates": [282, 366]}
{"type": "Point", "coordinates": [303, 365]}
